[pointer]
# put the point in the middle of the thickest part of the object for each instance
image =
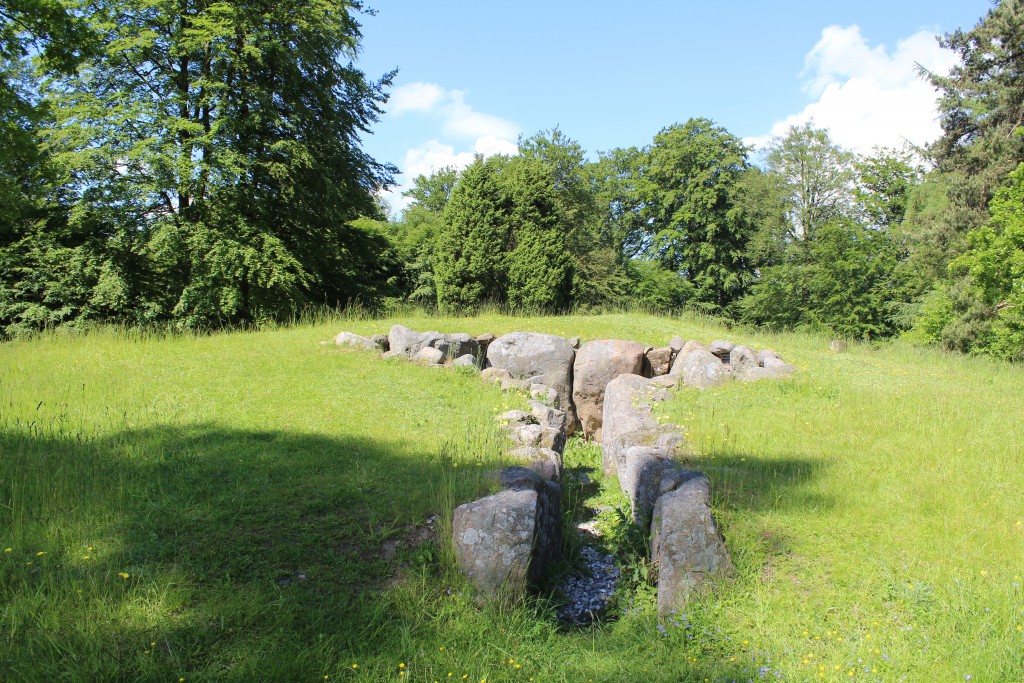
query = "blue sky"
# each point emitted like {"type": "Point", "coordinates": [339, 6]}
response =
{"type": "Point", "coordinates": [474, 75]}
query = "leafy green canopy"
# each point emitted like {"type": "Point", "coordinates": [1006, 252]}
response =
{"type": "Point", "coordinates": [986, 306]}
{"type": "Point", "coordinates": [696, 227]}
{"type": "Point", "coordinates": [211, 164]}
{"type": "Point", "coordinates": [980, 111]}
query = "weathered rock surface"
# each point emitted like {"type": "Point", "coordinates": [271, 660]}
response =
{"type": "Point", "coordinates": [494, 539]}
{"type": "Point", "coordinates": [466, 361]}
{"type": "Point", "coordinates": [430, 356]}
{"type": "Point", "coordinates": [547, 547]}
{"type": "Point", "coordinates": [544, 461]}
{"type": "Point", "coordinates": [544, 394]}
{"type": "Point", "coordinates": [666, 381]}
{"type": "Point", "coordinates": [676, 344]}
{"type": "Point", "coordinates": [625, 414]}
{"type": "Point", "coordinates": [837, 346]}
{"type": "Point", "coordinates": [598, 363]}
{"type": "Point", "coordinates": [686, 544]}
{"type": "Point", "coordinates": [743, 360]}
{"type": "Point", "coordinates": [381, 340]}
{"type": "Point", "coordinates": [538, 359]}
{"type": "Point", "coordinates": [691, 345]}
{"type": "Point", "coordinates": [483, 340]}
{"type": "Point", "coordinates": [355, 341]}
{"type": "Point", "coordinates": [456, 345]}
{"type": "Point", "coordinates": [766, 353]}
{"type": "Point", "coordinates": [659, 360]}
{"type": "Point", "coordinates": [496, 375]}
{"type": "Point", "coordinates": [547, 416]}
{"type": "Point", "coordinates": [702, 370]}
{"type": "Point", "coordinates": [409, 342]}
{"type": "Point", "coordinates": [515, 384]}
{"type": "Point", "coordinates": [722, 349]}
{"type": "Point", "coordinates": [640, 474]}
{"type": "Point", "coordinates": [527, 435]}
{"type": "Point", "coordinates": [506, 541]}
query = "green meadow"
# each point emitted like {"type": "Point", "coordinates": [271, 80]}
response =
{"type": "Point", "coordinates": [256, 506]}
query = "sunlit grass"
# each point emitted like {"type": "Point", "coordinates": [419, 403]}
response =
{"type": "Point", "coordinates": [214, 507]}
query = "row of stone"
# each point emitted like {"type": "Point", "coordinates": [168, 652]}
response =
{"type": "Point", "coordinates": [505, 541]}
{"type": "Point", "coordinates": [578, 373]}
{"type": "Point", "coordinates": [670, 500]}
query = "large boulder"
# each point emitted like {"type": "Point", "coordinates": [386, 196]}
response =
{"type": "Point", "coordinates": [659, 361]}
{"type": "Point", "coordinates": [626, 418]}
{"type": "Point", "coordinates": [686, 543]}
{"type": "Point", "coordinates": [538, 359]}
{"type": "Point", "coordinates": [505, 542]}
{"type": "Point", "coordinates": [356, 341]}
{"type": "Point", "coordinates": [598, 363]}
{"type": "Point", "coordinates": [408, 342]}
{"type": "Point", "coordinates": [402, 340]}
{"type": "Point", "coordinates": [691, 345]}
{"type": "Point", "coordinates": [456, 345]}
{"type": "Point", "coordinates": [743, 360]}
{"type": "Point", "coordinates": [701, 369]}
{"type": "Point", "coordinates": [547, 539]}
{"type": "Point", "coordinates": [494, 539]}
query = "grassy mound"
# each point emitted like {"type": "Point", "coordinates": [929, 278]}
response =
{"type": "Point", "coordinates": [253, 505]}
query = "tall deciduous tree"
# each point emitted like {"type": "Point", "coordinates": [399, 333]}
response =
{"type": "Point", "coordinates": [215, 145]}
{"type": "Point", "coordinates": [697, 227]}
{"type": "Point", "coordinates": [818, 176]}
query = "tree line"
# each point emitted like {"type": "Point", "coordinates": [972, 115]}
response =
{"type": "Point", "coordinates": [200, 165]}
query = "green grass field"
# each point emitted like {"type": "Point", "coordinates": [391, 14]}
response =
{"type": "Point", "coordinates": [242, 506]}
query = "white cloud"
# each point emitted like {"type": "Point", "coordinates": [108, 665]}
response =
{"type": "Point", "coordinates": [416, 97]}
{"type": "Point", "coordinates": [449, 117]}
{"type": "Point", "coordinates": [870, 96]}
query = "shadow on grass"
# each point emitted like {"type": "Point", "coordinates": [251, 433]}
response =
{"type": "Point", "coordinates": [748, 482]}
{"type": "Point", "coordinates": [233, 550]}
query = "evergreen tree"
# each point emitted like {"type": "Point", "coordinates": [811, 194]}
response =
{"type": "Point", "coordinates": [539, 266]}
{"type": "Point", "coordinates": [501, 239]}
{"type": "Point", "coordinates": [475, 236]}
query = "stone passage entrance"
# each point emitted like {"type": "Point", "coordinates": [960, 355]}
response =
{"type": "Point", "coordinates": [506, 541]}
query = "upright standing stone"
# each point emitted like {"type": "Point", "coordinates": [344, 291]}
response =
{"type": "Point", "coordinates": [538, 359]}
{"type": "Point", "coordinates": [494, 539]}
{"type": "Point", "coordinates": [624, 414]}
{"type": "Point", "coordinates": [686, 544]}
{"type": "Point", "coordinates": [598, 363]}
